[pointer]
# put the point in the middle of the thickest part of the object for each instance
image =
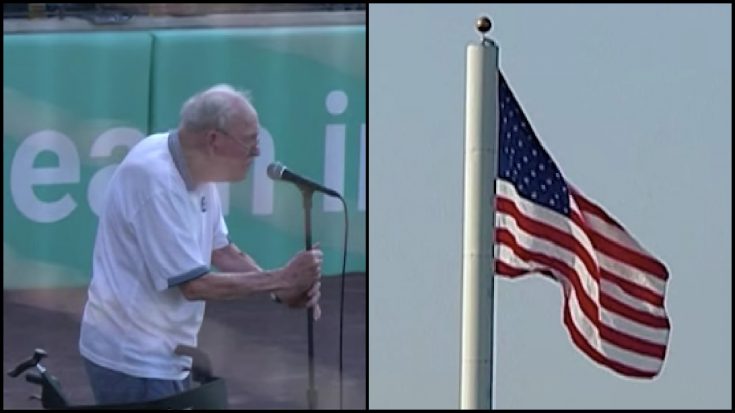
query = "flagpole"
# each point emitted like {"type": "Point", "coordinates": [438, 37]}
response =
{"type": "Point", "coordinates": [480, 165]}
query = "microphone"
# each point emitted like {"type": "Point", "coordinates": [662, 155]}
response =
{"type": "Point", "coordinates": [278, 172]}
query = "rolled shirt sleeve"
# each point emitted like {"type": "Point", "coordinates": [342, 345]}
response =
{"type": "Point", "coordinates": [167, 227]}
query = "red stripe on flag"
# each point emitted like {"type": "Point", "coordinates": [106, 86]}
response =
{"type": "Point", "coordinates": [631, 343]}
{"type": "Point", "coordinates": [589, 307]}
{"type": "Point", "coordinates": [583, 345]}
{"type": "Point", "coordinates": [541, 230]}
{"type": "Point", "coordinates": [641, 293]}
{"type": "Point", "coordinates": [628, 256]}
{"type": "Point", "coordinates": [610, 303]}
{"type": "Point", "coordinates": [507, 270]}
{"type": "Point", "coordinates": [588, 206]}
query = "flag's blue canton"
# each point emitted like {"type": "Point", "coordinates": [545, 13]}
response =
{"type": "Point", "coordinates": [523, 161]}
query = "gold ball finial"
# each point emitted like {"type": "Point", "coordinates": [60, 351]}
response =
{"type": "Point", "coordinates": [483, 25]}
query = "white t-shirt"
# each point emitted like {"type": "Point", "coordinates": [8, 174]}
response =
{"type": "Point", "coordinates": [156, 232]}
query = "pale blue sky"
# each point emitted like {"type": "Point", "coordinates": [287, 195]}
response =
{"type": "Point", "coordinates": [634, 103]}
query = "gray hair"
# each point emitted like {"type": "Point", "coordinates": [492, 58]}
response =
{"type": "Point", "coordinates": [212, 108]}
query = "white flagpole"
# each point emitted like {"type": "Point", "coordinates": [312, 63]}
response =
{"type": "Point", "coordinates": [480, 165]}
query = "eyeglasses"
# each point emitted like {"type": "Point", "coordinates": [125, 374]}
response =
{"type": "Point", "coordinates": [245, 145]}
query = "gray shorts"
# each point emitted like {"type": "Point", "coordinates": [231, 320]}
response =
{"type": "Point", "coordinates": [113, 387]}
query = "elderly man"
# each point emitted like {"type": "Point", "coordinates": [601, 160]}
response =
{"type": "Point", "coordinates": [161, 230]}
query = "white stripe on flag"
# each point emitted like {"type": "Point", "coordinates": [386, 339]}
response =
{"type": "Point", "coordinates": [619, 294]}
{"type": "Point", "coordinates": [550, 249]}
{"type": "Point", "coordinates": [610, 351]}
{"type": "Point", "coordinates": [632, 274]}
{"type": "Point", "coordinates": [609, 318]}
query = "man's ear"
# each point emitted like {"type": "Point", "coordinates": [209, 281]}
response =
{"type": "Point", "coordinates": [211, 140]}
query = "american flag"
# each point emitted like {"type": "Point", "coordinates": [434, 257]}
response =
{"type": "Point", "coordinates": [613, 288]}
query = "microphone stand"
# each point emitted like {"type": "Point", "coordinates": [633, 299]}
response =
{"type": "Point", "coordinates": [311, 393]}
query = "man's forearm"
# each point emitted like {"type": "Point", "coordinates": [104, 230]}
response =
{"type": "Point", "coordinates": [232, 285]}
{"type": "Point", "coordinates": [231, 259]}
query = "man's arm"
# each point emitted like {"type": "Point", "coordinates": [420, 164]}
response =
{"type": "Point", "coordinates": [244, 277]}
{"type": "Point", "coordinates": [231, 259]}
{"type": "Point", "coordinates": [241, 276]}
{"type": "Point", "coordinates": [231, 285]}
